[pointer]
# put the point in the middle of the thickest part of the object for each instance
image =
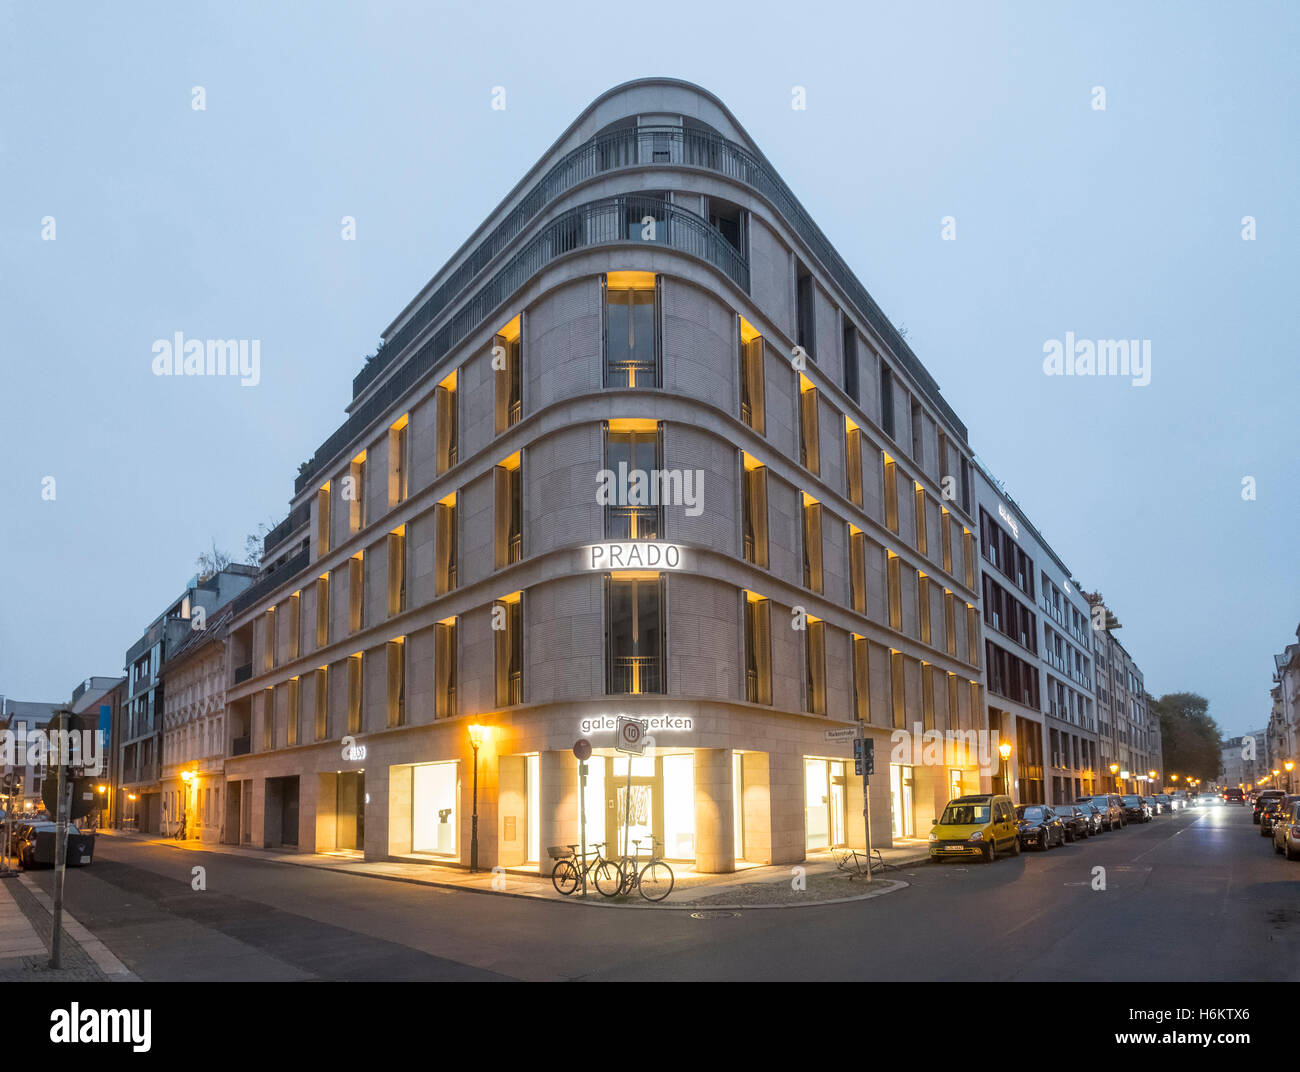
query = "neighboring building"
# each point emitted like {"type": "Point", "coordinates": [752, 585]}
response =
{"type": "Point", "coordinates": [1237, 769]}
{"type": "Point", "coordinates": [194, 676]}
{"type": "Point", "coordinates": [140, 741]}
{"type": "Point", "coordinates": [22, 717]}
{"type": "Point", "coordinates": [1038, 654]}
{"type": "Point", "coordinates": [632, 305]}
{"type": "Point", "coordinates": [98, 703]}
{"type": "Point", "coordinates": [1127, 729]}
{"type": "Point", "coordinates": [1284, 722]}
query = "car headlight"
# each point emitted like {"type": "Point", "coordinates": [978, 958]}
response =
{"type": "Point", "coordinates": [977, 836]}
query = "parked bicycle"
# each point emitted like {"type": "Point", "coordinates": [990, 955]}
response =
{"type": "Point", "coordinates": [654, 881]}
{"type": "Point", "coordinates": [569, 871]}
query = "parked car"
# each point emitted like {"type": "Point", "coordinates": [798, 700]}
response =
{"type": "Point", "coordinates": [1078, 823]}
{"type": "Point", "coordinates": [1272, 806]}
{"type": "Point", "coordinates": [1096, 817]}
{"type": "Point", "coordinates": [1234, 796]}
{"type": "Point", "coordinates": [1135, 808]}
{"type": "Point", "coordinates": [980, 825]}
{"type": "Point", "coordinates": [1167, 802]}
{"type": "Point", "coordinates": [1261, 797]}
{"type": "Point", "coordinates": [1286, 831]}
{"type": "Point", "coordinates": [37, 846]}
{"type": "Point", "coordinates": [1112, 811]}
{"type": "Point", "coordinates": [1153, 805]}
{"type": "Point", "coordinates": [1040, 827]}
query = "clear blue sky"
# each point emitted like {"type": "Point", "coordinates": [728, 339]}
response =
{"type": "Point", "coordinates": [225, 223]}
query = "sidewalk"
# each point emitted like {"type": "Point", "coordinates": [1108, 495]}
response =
{"type": "Point", "coordinates": [816, 881]}
{"type": "Point", "coordinates": [26, 913]}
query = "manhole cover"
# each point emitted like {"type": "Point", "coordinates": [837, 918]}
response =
{"type": "Point", "coordinates": [715, 915]}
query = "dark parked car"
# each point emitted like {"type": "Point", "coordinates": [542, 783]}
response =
{"type": "Point", "coordinates": [1135, 808]}
{"type": "Point", "coordinates": [1275, 809]}
{"type": "Point", "coordinates": [1112, 811]}
{"type": "Point", "coordinates": [1263, 796]}
{"type": "Point", "coordinates": [1153, 805]}
{"type": "Point", "coordinates": [1286, 832]}
{"type": "Point", "coordinates": [1040, 827]}
{"type": "Point", "coordinates": [1096, 817]}
{"type": "Point", "coordinates": [36, 847]}
{"type": "Point", "coordinates": [1078, 823]}
{"type": "Point", "coordinates": [1166, 802]}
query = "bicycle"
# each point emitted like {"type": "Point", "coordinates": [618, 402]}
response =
{"type": "Point", "coordinates": [654, 881]}
{"type": "Point", "coordinates": [567, 874]}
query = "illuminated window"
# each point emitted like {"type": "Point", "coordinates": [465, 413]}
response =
{"type": "Point", "coordinates": [858, 569]}
{"type": "Point", "coordinates": [507, 371]}
{"type": "Point", "coordinates": [322, 702]}
{"type": "Point", "coordinates": [631, 329]}
{"type": "Point", "coordinates": [922, 537]}
{"type": "Point", "coordinates": [295, 624]}
{"type": "Point", "coordinates": [634, 639]}
{"type": "Point", "coordinates": [923, 606]}
{"type": "Point", "coordinates": [753, 409]}
{"type": "Point", "coordinates": [354, 493]}
{"type": "Point", "coordinates": [322, 610]}
{"type": "Point", "coordinates": [445, 656]}
{"type": "Point", "coordinates": [270, 637]}
{"type": "Point", "coordinates": [448, 419]}
{"type": "Point", "coordinates": [754, 494]}
{"type": "Point", "coordinates": [445, 540]}
{"type": "Point", "coordinates": [291, 736]}
{"type": "Point", "coordinates": [861, 679]}
{"type": "Point", "coordinates": [397, 571]}
{"type": "Point", "coordinates": [323, 520]}
{"type": "Point", "coordinates": [809, 433]}
{"type": "Point", "coordinates": [509, 642]}
{"type": "Point", "coordinates": [356, 593]}
{"type": "Point", "coordinates": [399, 461]}
{"type": "Point", "coordinates": [853, 461]}
{"type": "Point", "coordinates": [354, 693]}
{"type": "Point", "coordinates": [509, 512]}
{"type": "Point", "coordinates": [812, 544]}
{"type": "Point", "coordinates": [815, 666]}
{"type": "Point", "coordinates": [895, 581]}
{"type": "Point", "coordinates": [758, 649]}
{"type": "Point", "coordinates": [633, 453]}
{"type": "Point", "coordinates": [396, 707]}
{"type": "Point", "coordinates": [891, 493]}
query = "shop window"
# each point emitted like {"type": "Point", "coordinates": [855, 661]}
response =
{"type": "Point", "coordinates": [633, 455]}
{"type": "Point", "coordinates": [434, 812]}
{"type": "Point", "coordinates": [634, 640]}
{"type": "Point", "coordinates": [754, 489]}
{"type": "Point", "coordinates": [508, 538]}
{"type": "Point", "coordinates": [632, 343]}
{"type": "Point", "coordinates": [679, 807]}
{"type": "Point", "coordinates": [758, 649]}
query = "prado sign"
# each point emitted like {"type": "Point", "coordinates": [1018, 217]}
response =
{"type": "Point", "coordinates": [633, 554]}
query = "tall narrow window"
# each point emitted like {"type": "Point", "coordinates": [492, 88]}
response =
{"type": "Point", "coordinates": [922, 536]}
{"type": "Point", "coordinates": [270, 637]}
{"type": "Point", "coordinates": [927, 696]}
{"type": "Point", "coordinates": [972, 636]}
{"type": "Point", "coordinates": [968, 556]}
{"type": "Point", "coordinates": [295, 623]}
{"type": "Point", "coordinates": [812, 544]}
{"type": "Point", "coordinates": [322, 610]}
{"type": "Point", "coordinates": [918, 435]}
{"type": "Point", "coordinates": [291, 735]}
{"type": "Point", "coordinates": [509, 649]}
{"type": "Point", "coordinates": [396, 650]}
{"type": "Point", "coordinates": [322, 702]}
{"type": "Point", "coordinates": [753, 409]}
{"type": "Point", "coordinates": [850, 360]}
{"type": "Point", "coordinates": [805, 312]}
{"type": "Point", "coordinates": [509, 513]}
{"type": "Point", "coordinates": [886, 400]}
{"type": "Point", "coordinates": [895, 580]}
{"type": "Point", "coordinates": [965, 484]}
{"type": "Point", "coordinates": [945, 528]}
{"type": "Point", "coordinates": [448, 418]}
{"type": "Point", "coordinates": [891, 493]}
{"type": "Point", "coordinates": [354, 693]}
{"type": "Point", "coordinates": [950, 622]}
{"type": "Point", "coordinates": [923, 606]}
{"type": "Point", "coordinates": [853, 461]}
{"type": "Point", "coordinates": [755, 510]}
{"type": "Point", "coordinates": [444, 664]}
{"type": "Point", "coordinates": [633, 449]}
{"type": "Point", "coordinates": [858, 569]}
{"type": "Point", "coordinates": [354, 492]}
{"type": "Point", "coordinates": [758, 649]}
{"type": "Point", "coordinates": [397, 571]}
{"type": "Point", "coordinates": [809, 433]}
{"type": "Point", "coordinates": [445, 543]}
{"type": "Point", "coordinates": [815, 664]}
{"type": "Point", "coordinates": [631, 330]}
{"type": "Point", "coordinates": [507, 371]}
{"type": "Point", "coordinates": [268, 719]}
{"type": "Point", "coordinates": [399, 461]}
{"type": "Point", "coordinates": [954, 708]}
{"type": "Point", "coordinates": [898, 688]}
{"type": "Point", "coordinates": [634, 634]}
{"type": "Point", "coordinates": [861, 679]}
{"type": "Point", "coordinates": [323, 520]}
{"type": "Point", "coordinates": [356, 593]}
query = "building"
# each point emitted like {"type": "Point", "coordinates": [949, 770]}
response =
{"type": "Point", "coordinates": [1038, 654]}
{"type": "Point", "coordinates": [1283, 733]}
{"type": "Point", "coordinates": [1128, 729]}
{"type": "Point", "coordinates": [97, 702]}
{"type": "Point", "coordinates": [644, 446]}
{"type": "Point", "coordinates": [194, 676]}
{"type": "Point", "coordinates": [140, 741]}
{"type": "Point", "coordinates": [27, 770]}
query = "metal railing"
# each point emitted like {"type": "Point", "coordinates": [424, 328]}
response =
{"type": "Point", "coordinates": [633, 522]}
{"type": "Point", "coordinates": [593, 224]}
{"type": "Point", "coordinates": [240, 746]}
{"type": "Point", "coordinates": [635, 674]}
{"type": "Point", "coordinates": [243, 673]}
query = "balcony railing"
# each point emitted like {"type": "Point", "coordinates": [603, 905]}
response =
{"type": "Point", "coordinates": [594, 224]}
{"type": "Point", "coordinates": [633, 523]}
{"type": "Point", "coordinates": [243, 673]}
{"type": "Point", "coordinates": [240, 746]}
{"type": "Point", "coordinates": [635, 674]}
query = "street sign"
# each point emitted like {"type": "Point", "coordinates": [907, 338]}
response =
{"type": "Point", "coordinates": [848, 733]}
{"type": "Point", "coordinates": [582, 749]}
{"type": "Point", "coordinates": [630, 736]}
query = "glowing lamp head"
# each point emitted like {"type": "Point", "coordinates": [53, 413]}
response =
{"type": "Point", "coordinates": [1004, 750]}
{"type": "Point", "coordinates": [1114, 768]}
{"type": "Point", "coordinates": [187, 776]}
{"type": "Point", "coordinates": [477, 734]}
{"type": "Point", "coordinates": [102, 788]}
{"type": "Point", "coordinates": [1289, 765]}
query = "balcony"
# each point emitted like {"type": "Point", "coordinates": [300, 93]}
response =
{"type": "Point", "coordinates": [633, 523]}
{"type": "Point", "coordinates": [243, 673]}
{"type": "Point", "coordinates": [240, 746]}
{"type": "Point", "coordinates": [633, 675]}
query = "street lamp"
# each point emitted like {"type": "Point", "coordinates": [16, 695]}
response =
{"type": "Point", "coordinates": [1290, 766]}
{"type": "Point", "coordinates": [187, 777]}
{"type": "Point", "coordinates": [1004, 750]}
{"type": "Point", "coordinates": [476, 736]}
{"type": "Point", "coordinates": [1114, 773]}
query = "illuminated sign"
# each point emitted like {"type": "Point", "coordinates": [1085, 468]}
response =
{"type": "Point", "coordinates": [1006, 516]}
{"type": "Point", "coordinates": [653, 723]}
{"type": "Point", "coordinates": [632, 555]}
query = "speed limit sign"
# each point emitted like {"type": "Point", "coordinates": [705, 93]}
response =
{"type": "Point", "coordinates": [630, 736]}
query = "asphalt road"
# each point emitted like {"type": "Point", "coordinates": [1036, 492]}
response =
{"type": "Point", "coordinates": [1198, 895]}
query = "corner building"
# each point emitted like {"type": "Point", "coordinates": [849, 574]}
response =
{"type": "Point", "coordinates": [632, 305]}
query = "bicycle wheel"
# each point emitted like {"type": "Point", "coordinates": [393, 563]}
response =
{"type": "Point", "coordinates": [656, 880]}
{"type": "Point", "coordinates": [564, 877]}
{"type": "Point", "coordinates": [609, 879]}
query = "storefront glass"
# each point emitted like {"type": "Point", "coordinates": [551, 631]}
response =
{"type": "Point", "coordinates": [900, 800]}
{"type": "Point", "coordinates": [679, 807]}
{"type": "Point", "coordinates": [433, 808]}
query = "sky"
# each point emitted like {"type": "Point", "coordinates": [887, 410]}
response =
{"type": "Point", "coordinates": [1107, 223]}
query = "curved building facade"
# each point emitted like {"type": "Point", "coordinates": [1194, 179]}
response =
{"type": "Point", "coordinates": [644, 447]}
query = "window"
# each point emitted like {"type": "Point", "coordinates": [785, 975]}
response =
{"type": "Point", "coordinates": [754, 485]}
{"type": "Point", "coordinates": [291, 737]}
{"type": "Point", "coordinates": [354, 693]}
{"type": "Point", "coordinates": [918, 437]}
{"type": "Point", "coordinates": [354, 493]}
{"type": "Point", "coordinates": [509, 513]}
{"type": "Point", "coordinates": [356, 592]}
{"type": "Point", "coordinates": [399, 464]}
{"type": "Point", "coordinates": [323, 520]}
{"type": "Point", "coordinates": [898, 688]}
{"type": "Point", "coordinates": [972, 636]}
{"type": "Point", "coordinates": [322, 610]}
{"type": "Point", "coordinates": [633, 449]}
{"type": "Point", "coordinates": [950, 622]}
{"type": "Point", "coordinates": [965, 485]}
{"type": "Point", "coordinates": [861, 679]}
{"type": "Point", "coordinates": [508, 611]}
{"type": "Point", "coordinates": [397, 571]}
{"type": "Point", "coordinates": [927, 696]}
{"type": "Point", "coordinates": [850, 360]}
{"type": "Point", "coordinates": [812, 543]}
{"type": "Point", "coordinates": [507, 371]}
{"type": "Point", "coordinates": [448, 431]}
{"type": "Point", "coordinates": [945, 530]}
{"type": "Point", "coordinates": [444, 660]}
{"type": "Point", "coordinates": [730, 220]}
{"type": "Point", "coordinates": [891, 493]}
{"type": "Point", "coordinates": [923, 606]}
{"type": "Point", "coordinates": [922, 537]}
{"type": "Point", "coordinates": [805, 311]}
{"type": "Point", "coordinates": [886, 400]}
{"type": "Point", "coordinates": [295, 616]}
{"type": "Point", "coordinates": [631, 329]}
{"type": "Point", "coordinates": [809, 435]}
{"type": "Point", "coordinates": [858, 569]}
{"type": "Point", "coordinates": [634, 634]}
{"type": "Point", "coordinates": [895, 581]}
{"type": "Point", "coordinates": [445, 539]}
{"type": "Point", "coordinates": [752, 377]}
{"type": "Point", "coordinates": [758, 649]}
{"type": "Point", "coordinates": [815, 664]}
{"type": "Point", "coordinates": [270, 637]}
{"type": "Point", "coordinates": [853, 461]}
{"type": "Point", "coordinates": [396, 707]}
{"type": "Point", "coordinates": [322, 703]}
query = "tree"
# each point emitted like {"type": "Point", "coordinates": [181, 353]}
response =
{"type": "Point", "coordinates": [255, 541]}
{"type": "Point", "coordinates": [212, 563]}
{"type": "Point", "coordinates": [1189, 736]}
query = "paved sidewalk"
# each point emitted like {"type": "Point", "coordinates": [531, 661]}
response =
{"type": "Point", "coordinates": [815, 881]}
{"type": "Point", "coordinates": [26, 914]}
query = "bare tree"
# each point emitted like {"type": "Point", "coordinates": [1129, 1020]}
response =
{"type": "Point", "coordinates": [211, 563]}
{"type": "Point", "coordinates": [255, 541]}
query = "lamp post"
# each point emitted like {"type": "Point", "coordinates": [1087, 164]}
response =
{"type": "Point", "coordinates": [187, 778]}
{"type": "Point", "coordinates": [1114, 773]}
{"type": "Point", "coordinates": [1290, 766]}
{"type": "Point", "coordinates": [1004, 750]}
{"type": "Point", "coordinates": [476, 741]}
{"type": "Point", "coordinates": [103, 803]}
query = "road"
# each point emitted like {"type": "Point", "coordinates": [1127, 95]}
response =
{"type": "Point", "coordinates": [1198, 895]}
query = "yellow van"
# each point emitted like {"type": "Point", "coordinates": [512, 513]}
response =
{"type": "Point", "coordinates": [982, 825]}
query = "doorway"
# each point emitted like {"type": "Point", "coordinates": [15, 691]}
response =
{"type": "Point", "coordinates": [900, 800]}
{"type": "Point", "coordinates": [350, 810]}
{"type": "Point", "coordinates": [824, 788]}
{"type": "Point", "coordinates": [281, 816]}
